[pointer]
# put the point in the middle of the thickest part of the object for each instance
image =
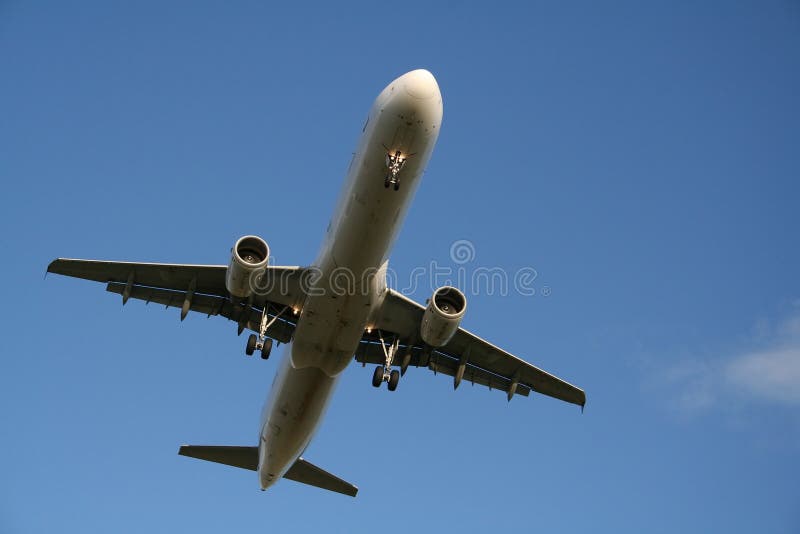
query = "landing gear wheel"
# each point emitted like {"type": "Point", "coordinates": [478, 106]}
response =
{"type": "Point", "coordinates": [394, 379]}
{"type": "Point", "coordinates": [251, 345]}
{"type": "Point", "coordinates": [397, 186]}
{"type": "Point", "coordinates": [266, 349]}
{"type": "Point", "coordinates": [386, 183]}
{"type": "Point", "coordinates": [377, 376]}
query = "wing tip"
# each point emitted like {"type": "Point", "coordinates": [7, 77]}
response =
{"type": "Point", "coordinates": [51, 267]}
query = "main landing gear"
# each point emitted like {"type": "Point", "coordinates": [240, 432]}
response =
{"type": "Point", "coordinates": [261, 342]}
{"type": "Point", "coordinates": [384, 373]}
{"type": "Point", "coordinates": [253, 344]}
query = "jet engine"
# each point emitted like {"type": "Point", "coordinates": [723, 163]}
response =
{"type": "Point", "coordinates": [442, 316]}
{"type": "Point", "coordinates": [249, 258]}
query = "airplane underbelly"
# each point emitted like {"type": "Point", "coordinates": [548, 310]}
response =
{"type": "Point", "coordinates": [329, 330]}
{"type": "Point", "coordinates": [371, 215]}
{"type": "Point", "coordinates": [300, 399]}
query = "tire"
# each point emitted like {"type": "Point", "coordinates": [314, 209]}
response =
{"type": "Point", "coordinates": [251, 345]}
{"type": "Point", "coordinates": [394, 379]}
{"type": "Point", "coordinates": [397, 186]}
{"type": "Point", "coordinates": [377, 376]}
{"type": "Point", "coordinates": [266, 349]}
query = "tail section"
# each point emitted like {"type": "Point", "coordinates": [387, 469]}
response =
{"type": "Point", "coordinates": [247, 458]}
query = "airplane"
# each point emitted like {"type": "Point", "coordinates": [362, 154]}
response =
{"type": "Point", "coordinates": [326, 323]}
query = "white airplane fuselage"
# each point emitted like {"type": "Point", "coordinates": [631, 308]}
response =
{"type": "Point", "coordinates": [350, 268]}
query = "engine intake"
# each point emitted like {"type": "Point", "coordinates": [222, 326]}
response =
{"type": "Point", "coordinates": [249, 257]}
{"type": "Point", "coordinates": [442, 316]}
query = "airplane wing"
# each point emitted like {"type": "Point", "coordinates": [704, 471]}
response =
{"type": "Point", "coordinates": [199, 288]}
{"type": "Point", "coordinates": [466, 356]}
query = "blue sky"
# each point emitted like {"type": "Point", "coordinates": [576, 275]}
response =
{"type": "Point", "coordinates": [643, 158]}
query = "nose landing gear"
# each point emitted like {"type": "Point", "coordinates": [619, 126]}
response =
{"type": "Point", "coordinates": [394, 164]}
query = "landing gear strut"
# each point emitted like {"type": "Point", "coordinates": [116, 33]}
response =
{"type": "Point", "coordinates": [261, 342]}
{"type": "Point", "coordinates": [384, 373]}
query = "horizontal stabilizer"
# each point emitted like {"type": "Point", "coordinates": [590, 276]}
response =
{"type": "Point", "coordinates": [247, 458]}
{"type": "Point", "coordinates": [244, 457]}
{"type": "Point", "coordinates": [308, 473]}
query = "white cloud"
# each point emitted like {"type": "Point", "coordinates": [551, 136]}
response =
{"type": "Point", "coordinates": [770, 373]}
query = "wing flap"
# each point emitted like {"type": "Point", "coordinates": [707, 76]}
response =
{"type": "Point", "coordinates": [441, 363]}
{"type": "Point", "coordinates": [485, 355]}
{"type": "Point", "coordinates": [250, 317]}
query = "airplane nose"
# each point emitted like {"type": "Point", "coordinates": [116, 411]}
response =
{"type": "Point", "coordinates": [420, 84]}
{"type": "Point", "coordinates": [413, 99]}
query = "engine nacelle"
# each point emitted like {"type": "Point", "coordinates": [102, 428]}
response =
{"type": "Point", "coordinates": [249, 258]}
{"type": "Point", "coordinates": [442, 316]}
